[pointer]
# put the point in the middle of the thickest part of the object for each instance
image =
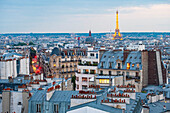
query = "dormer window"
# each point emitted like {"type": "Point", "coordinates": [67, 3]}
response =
{"type": "Point", "coordinates": [54, 65]}
{"type": "Point", "coordinates": [118, 66]}
{"type": "Point", "coordinates": [110, 72]}
{"type": "Point", "coordinates": [110, 65]}
{"type": "Point", "coordinates": [54, 61]}
{"type": "Point", "coordinates": [128, 66]}
{"type": "Point", "coordinates": [137, 66]}
{"type": "Point", "coordinates": [101, 72]}
{"type": "Point", "coordinates": [101, 64]}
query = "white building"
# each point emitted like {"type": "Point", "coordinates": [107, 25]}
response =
{"type": "Point", "coordinates": [87, 69]}
{"type": "Point", "coordinates": [12, 64]}
{"type": "Point", "coordinates": [138, 47]}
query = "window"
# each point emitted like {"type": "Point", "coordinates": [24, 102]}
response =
{"type": "Point", "coordinates": [104, 81]}
{"type": "Point", "coordinates": [96, 55]}
{"type": "Point", "coordinates": [84, 79]}
{"type": "Point", "coordinates": [91, 54]}
{"type": "Point", "coordinates": [85, 71]}
{"type": "Point", "coordinates": [92, 72]}
{"type": "Point", "coordinates": [110, 72]}
{"type": "Point", "coordinates": [77, 78]}
{"type": "Point", "coordinates": [128, 66]}
{"type": "Point", "coordinates": [68, 106]}
{"type": "Point", "coordinates": [77, 86]}
{"type": "Point", "coordinates": [53, 61]}
{"type": "Point", "coordinates": [118, 72]}
{"type": "Point", "coordinates": [137, 66]}
{"type": "Point", "coordinates": [133, 65]}
{"type": "Point", "coordinates": [56, 108]}
{"type": "Point", "coordinates": [104, 56]}
{"type": "Point", "coordinates": [118, 65]}
{"type": "Point", "coordinates": [101, 72]}
{"type": "Point", "coordinates": [101, 64]}
{"type": "Point", "coordinates": [38, 108]}
{"type": "Point", "coordinates": [110, 65]}
{"type": "Point", "coordinates": [137, 74]}
{"type": "Point", "coordinates": [19, 103]}
{"type": "Point", "coordinates": [84, 86]}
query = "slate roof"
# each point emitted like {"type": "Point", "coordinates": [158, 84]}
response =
{"type": "Point", "coordinates": [134, 57]}
{"type": "Point", "coordinates": [56, 51]}
{"type": "Point", "coordinates": [158, 107]}
{"type": "Point", "coordinates": [38, 96]}
{"type": "Point", "coordinates": [60, 96]}
{"type": "Point", "coordinates": [7, 56]}
{"type": "Point", "coordinates": [97, 106]}
{"type": "Point", "coordinates": [15, 81]}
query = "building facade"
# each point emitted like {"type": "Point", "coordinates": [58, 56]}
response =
{"type": "Point", "coordinates": [63, 63]}
{"type": "Point", "coordinates": [12, 64]}
{"type": "Point", "coordinates": [141, 68]}
{"type": "Point", "coordinates": [87, 69]}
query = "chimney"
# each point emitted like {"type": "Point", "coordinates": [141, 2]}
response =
{"type": "Point", "coordinates": [10, 79]}
{"type": "Point", "coordinates": [125, 55]}
{"type": "Point", "coordinates": [49, 94]}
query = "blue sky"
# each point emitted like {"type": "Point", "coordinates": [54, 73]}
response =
{"type": "Point", "coordinates": [82, 15]}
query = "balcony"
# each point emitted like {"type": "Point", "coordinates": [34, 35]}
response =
{"type": "Point", "coordinates": [85, 72]}
{"type": "Point", "coordinates": [68, 72]}
{"type": "Point", "coordinates": [109, 75]}
{"type": "Point", "coordinates": [137, 79]}
{"type": "Point", "coordinates": [69, 61]}
{"type": "Point", "coordinates": [87, 64]}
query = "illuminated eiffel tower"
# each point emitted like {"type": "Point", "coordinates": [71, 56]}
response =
{"type": "Point", "coordinates": [117, 34]}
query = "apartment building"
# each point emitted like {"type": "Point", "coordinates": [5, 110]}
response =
{"type": "Point", "coordinates": [12, 64]}
{"type": "Point", "coordinates": [140, 68]}
{"type": "Point", "coordinates": [87, 69]}
{"type": "Point", "coordinates": [63, 63]}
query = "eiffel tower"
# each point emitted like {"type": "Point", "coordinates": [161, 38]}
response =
{"type": "Point", "coordinates": [117, 35]}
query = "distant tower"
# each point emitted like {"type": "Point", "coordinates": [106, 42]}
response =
{"type": "Point", "coordinates": [78, 41]}
{"type": "Point", "coordinates": [90, 33]}
{"type": "Point", "coordinates": [117, 34]}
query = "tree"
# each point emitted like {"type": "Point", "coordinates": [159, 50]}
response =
{"type": "Point", "coordinates": [32, 52]}
{"type": "Point", "coordinates": [31, 43]}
